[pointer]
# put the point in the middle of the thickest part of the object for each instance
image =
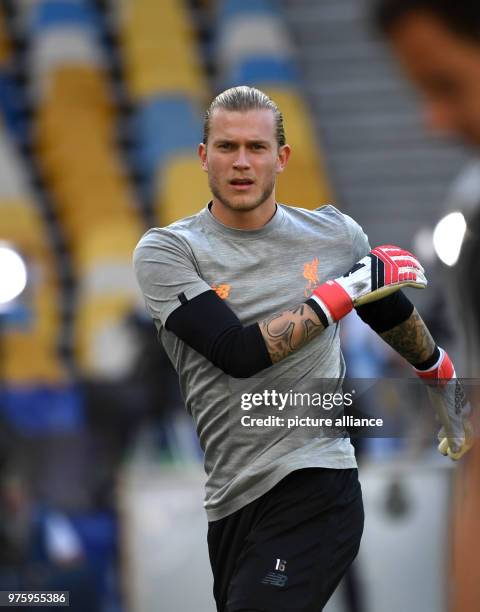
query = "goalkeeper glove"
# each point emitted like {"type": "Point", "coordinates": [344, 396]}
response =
{"type": "Point", "coordinates": [383, 271]}
{"type": "Point", "coordinates": [452, 408]}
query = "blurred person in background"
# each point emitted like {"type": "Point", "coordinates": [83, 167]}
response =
{"type": "Point", "coordinates": [40, 547]}
{"type": "Point", "coordinates": [246, 286]}
{"type": "Point", "coordinates": [438, 44]}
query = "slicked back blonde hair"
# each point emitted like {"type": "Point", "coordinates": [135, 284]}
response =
{"type": "Point", "coordinates": [242, 99]}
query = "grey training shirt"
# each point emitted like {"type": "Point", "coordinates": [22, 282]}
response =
{"type": "Point", "coordinates": [258, 273]}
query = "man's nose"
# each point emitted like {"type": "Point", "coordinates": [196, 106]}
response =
{"type": "Point", "coordinates": [241, 159]}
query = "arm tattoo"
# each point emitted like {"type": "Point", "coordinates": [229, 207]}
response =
{"type": "Point", "coordinates": [411, 339]}
{"type": "Point", "coordinates": [286, 332]}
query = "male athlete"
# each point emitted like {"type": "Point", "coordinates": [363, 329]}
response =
{"type": "Point", "coordinates": [438, 45]}
{"type": "Point", "coordinates": [228, 295]}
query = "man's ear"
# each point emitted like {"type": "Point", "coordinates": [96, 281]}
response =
{"type": "Point", "coordinates": [202, 154]}
{"type": "Point", "coordinates": [283, 157]}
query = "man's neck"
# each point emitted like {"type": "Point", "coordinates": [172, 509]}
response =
{"type": "Point", "coordinates": [247, 220]}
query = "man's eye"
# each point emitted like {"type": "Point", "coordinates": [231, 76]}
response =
{"type": "Point", "coordinates": [225, 145]}
{"type": "Point", "coordinates": [258, 146]}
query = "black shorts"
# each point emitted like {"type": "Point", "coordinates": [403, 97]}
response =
{"type": "Point", "coordinates": [288, 550]}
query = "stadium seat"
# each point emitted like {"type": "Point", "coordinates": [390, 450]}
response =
{"type": "Point", "coordinates": [42, 409]}
{"type": "Point", "coordinates": [177, 197]}
{"type": "Point", "coordinates": [63, 48]}
{"type": "Point", "coordinates": [50, 14]}
{"type": "Point", "coordinates": [229, 9]}
{"type": "Point", "coordinates": [62, 33]}
{"type": "Point", "coordinates": [244, 36]}
{"type": "Point", "coordinates": [100, 329]}
{"type": "Point", "coordinates": [107, 293]}
{"type": "Point", "coordinates": [95, 250]}
{"type": "Point", "coordinates": [13, 178]}
{"type": "Point", "coordinates": [269, 70]}
{"type": "Point", "coordinates": [11, 108]}
{"type": "Point", "coordinates": [306, 182]}
{"type": "Point", "coordinates": [159, 50]}
{"type": "Point", "coordinates": [165, 127]}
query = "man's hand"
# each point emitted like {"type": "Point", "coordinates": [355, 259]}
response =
{"type": "Point", "coordinates": [451, 405]}
{"type": "Point", "coordinates": [384, 270]}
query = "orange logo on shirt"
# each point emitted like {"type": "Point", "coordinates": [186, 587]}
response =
{"type": "Point", "coordinates": [223, 291]}
{"type": "Point", "coordinates": [310, 272]}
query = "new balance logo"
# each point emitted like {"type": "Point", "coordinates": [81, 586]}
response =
{"type": "Point", "coordinates": [275, 579]}
{"type": "Point", "coordinates": [280, 565]}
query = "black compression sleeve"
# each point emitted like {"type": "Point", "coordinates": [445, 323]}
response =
{"type": "Point", "coordinates": [210, 327]}
{"type": "Point", "coordinates": [430, 362]}
{"type": "Point", "coordinates": [386, 313]}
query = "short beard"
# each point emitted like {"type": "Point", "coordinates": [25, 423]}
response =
{"type": "Point", "coordinates": [267, 192]}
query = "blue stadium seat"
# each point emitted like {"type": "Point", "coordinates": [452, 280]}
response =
{"type": "Point", "coordinates": [264, 70]}
{"type": "Point", "coordinates": [41, 410]}
{"type": "Point", "coordinates": [253, 46]}
{"type": "Point", "coordinates": [163, 128]}
{"type": "Point", "coordinates": [60, 13]}
{"type": "Point", "coordinates": [232, 8]}
{"type": "Point", "coordinates": [98, 532]}
{"type": "Point", "coordinates": [10, 108]}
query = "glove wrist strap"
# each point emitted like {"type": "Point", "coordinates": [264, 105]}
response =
{"type": "Point", "coordinates": [440, 373]}
{"type": "Point", "coordinates": [333, 300]}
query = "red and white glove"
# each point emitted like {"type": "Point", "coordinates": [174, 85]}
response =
{"type": "Point", "coordinates": [384, 270]}
{"type": "Point", "coordinates": [452, 407]}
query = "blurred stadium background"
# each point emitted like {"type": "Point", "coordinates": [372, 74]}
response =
{"type": "Point", "coordinates": [101, 107]}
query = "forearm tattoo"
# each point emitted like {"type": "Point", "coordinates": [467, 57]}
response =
{"type": "Point", "coordinates": [411, 339]}
{"type": "Point", "coordinates": [286, 332]}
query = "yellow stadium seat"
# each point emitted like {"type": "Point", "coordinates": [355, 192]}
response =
{"type": "Point", "coordinates": [96, 316]}
{"type": "Point", "coordinates": [79, 87]}
{"type": "Point", "coordinates": [160, 49]}
{"type": "Point", "coordinates": [112, 192]}
{"type": "Point", "coordinates": [56, 119]}
{"type": "Point", "coordinates": [74, 130]}
{"type": "Point", "coordinates": [21, 223]}
{"type": "Point", "coordinates": [111, 241]}
{"type": "Point", "coordinates": [78, 225]}
{"type": "Point", "coordinates": [66, 166]}
{"type": "Point", "coordinates": [56, 48]}
{"type": "Point", "coordinates": [305, 182]}
{"type": "Point", "coordinates": [80, 221]}
{"type": "Point", "coordinates": [146, 15]}
{"type": "Point", "coordinates": [147, 79]}
{"type": "Point", "coordinates": [182, 189]}
{"type": "Point", "coordinates": [31, 359]}
{"type": "Point", "coordinates": [71, 165]}
{"type": "Point", "coordinates": [170, 50]}
{"type": "Point", "coordinates": [112, 188]}
{"type": "Point", "coordinates": [77, 149]}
